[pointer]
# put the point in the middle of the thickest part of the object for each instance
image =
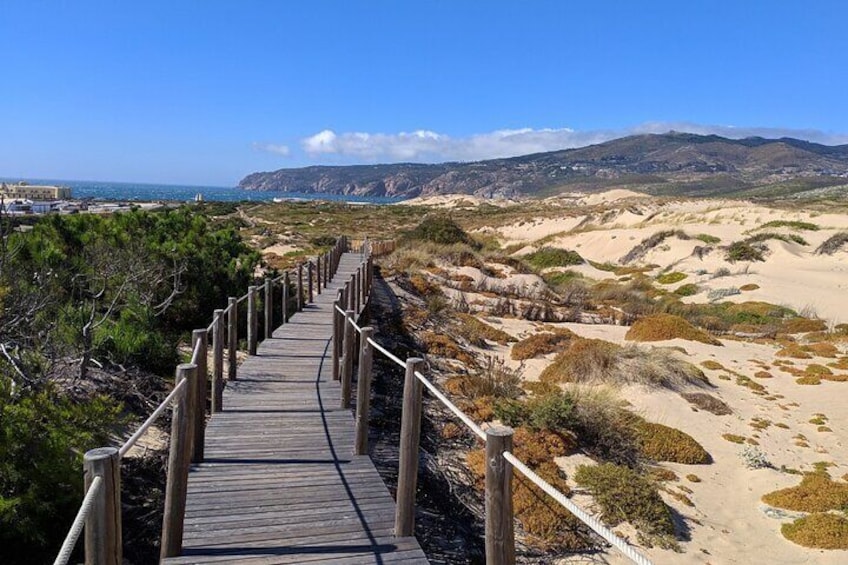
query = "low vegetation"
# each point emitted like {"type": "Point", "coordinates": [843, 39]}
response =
{"type": "Point", "coordinates": [596, 361]}
{"type": "Point", "coordinates": [821, 530]}
{"type": "Point", "coordinates": [671, 278]}
{"type": "Point", "coordinates": [833, 244]}
{"type": "Point", "coordinates": [791, 224]}
{"type": "Point", "coordinates": [549, 257]}
{"type": "Point", "coordinates": [707, 402]}
{"type": "Point", "coordinates": [625, 496]}
{"type": "Point", "coordinates": [816, 493]}
{"type": "Point", "coordinates": [542, 343]}
{"type": "Point", "coordinates": [661, 327]}
{"type": "Point", "coordinates": [662, 443]}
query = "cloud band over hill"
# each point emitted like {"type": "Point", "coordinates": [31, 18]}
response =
{"type": "Point", "coordinates": [430, 146]}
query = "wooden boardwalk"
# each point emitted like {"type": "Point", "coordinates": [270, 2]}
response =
{"type": "Point", "coordinates": [279, 483]}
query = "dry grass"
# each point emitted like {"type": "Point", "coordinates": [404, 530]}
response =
{"type": "Point", "coordinates": [541, 343]}
{"type": "Point", "coordinates": [733, 438]}
{"type": "Point", "coordinates": [660, 327]}
{"type": "Point", "coordinates": [597, 361]}
{"type": "Point", "coordinates": [802, 325]}
{"type": "Point", "coordinates": [444, 346]}
{"type": "Point", "coordinates": [477, 332]}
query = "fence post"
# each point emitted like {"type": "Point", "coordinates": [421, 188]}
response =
{"type": "Point", "coordinates": [319, 279]}
{"type": "Point", "coordinates": [326, 269]}
{"type": "Point", "coordinates": [358, 279]}
{"type": "Point", "coordinates": [103, 543]}
{"type": "Point", "coordinates": [252, 325]}
{"type": "Point", "coordinates": [178, 460]}
{"type": "Point", "coordinates": [347, 366]}
{"type": "Point", "coordinates": [351, 293]}
{"type": "Point", "coordinates": [218, 361]}
{"type": "Point", "coordinates": [500, 535]}
{"type": "Point", "coordinates": [410, 435]}
{"type": "Point", "coordinates": [337, 335]}
{"type": "Point", "coordinates": [300, 287]}
{"type": "Point", "coordinates": [232, 339]}
{"type": "Point", "coordinates": [363, 391]}
{"type": "Point", "coordinates": [285, 300]}
{"type": "Point", "coordinates": [310, 267]}
{"type": "Point", "coordinates": [199, 395]}
{"type": "Point", "coordinates": [269, 304]}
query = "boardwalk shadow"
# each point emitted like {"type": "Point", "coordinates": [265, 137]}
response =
{"type": "Point", "coordinates": [292, 550]}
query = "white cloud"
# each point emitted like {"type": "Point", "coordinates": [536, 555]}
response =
{"type": "Point", "coordinates": [429, 146]}
{"type": "Point", "coordinates": [273, 148]}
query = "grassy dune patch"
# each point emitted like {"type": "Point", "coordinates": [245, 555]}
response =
{"type": "Point", "coordinates": [661, 327]}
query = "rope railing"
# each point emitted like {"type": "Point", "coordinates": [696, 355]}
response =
{"type": "Point", "coordinates": [597, 526]}
{"type": "Point", "coordinates": [124, 449]}
{"type": "Point", "coordinates": [79, 521]}
{"type": "Point", "coordinates": [408, 470]}
{"type": "Point", "coordinates": [387, 353]}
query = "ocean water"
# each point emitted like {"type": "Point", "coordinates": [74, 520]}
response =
{"type": "Point", "coordinates": [136, 192]}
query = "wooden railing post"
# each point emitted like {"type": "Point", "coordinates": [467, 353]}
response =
{"type": "Point", "coordinates": [358, 287]}
{"type": "Point", "coordinates": [232, 339]}
{"type": "Point", "coordinates": [338, 320]}
{"type": "Point", "coordinates": [310, 267]}
{"type": "Point", "coordinates": [178, 461]}
{"type": "Point", "coordinates": [199, 395]}
{"type": "Point", "coordinates": [347, 365]}
{"type": "Point", "coordinates": [103, 543]}
{"type": "Point", "coordinates": [500, 534]}
{"type": "Point", "coordinates": [252, 322]}
{"type": "Point", "coordinates": [410, 435]}
{"type": "Point", "coordinates": [285, 300]}
{"type": "Point", "coordinates": [326, 269]}
{"type": "Point", "coordinates": [300, 287]}
{"type": "Point", "coordinates": [351, 293]}
{"type": "Point", "coordinates": [269, 303]}
{"type": "Point", "coordinates": [363, 391]}
{"type": "Point", "coordinates": [319, 279]}
{"type": "Point", "coordinates": [218, 361]}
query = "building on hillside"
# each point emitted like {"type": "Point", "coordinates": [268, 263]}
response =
{"type": "Point", "coordinates": [34, 191]}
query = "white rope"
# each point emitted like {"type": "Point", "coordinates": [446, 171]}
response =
{"type": "Point", "coordinates": [242, 298]}
{"type": "Point", "coordinates": [195, 353]}
{"type": "Point", "coordinates": [76, 528]}
{"type": "Point", "coordinates": [387, 353]}
{"type": "Point", "coordinates": [581, 514]}
{"type": "Point", "coordinates": [478, 431]}
{"type": "Point", "coordinates": [278, 279]}
{"type": "Point", "coordinates": [355, 326]}
{"type": "Point", "coordinates": [211, 326]}
{"type": "Point", "coordinates": [152, 418]}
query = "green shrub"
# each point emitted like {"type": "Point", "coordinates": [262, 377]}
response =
{"type": "Point", "coordinates": [816, 493]}
{"type": "Point", "coordinates": [441, 230]}
{"type": "Point", "coordinates": [547, 257]}
{"type": "Point", "coordinates": [671, 278]}
{"type": "Point", "coordinates": [42, 438]}
{"type": "Point", "coordinates": [553, 412]}
{"type": "Point", "coordinates": [708, 239]}
{"type": "Point", "coordinates": [744, 251]}
{"type": "Point", "coordinates": [626, 496]}
{"type": "Point", "coordinates": [689, 289]}
{"type": "Point", "coordinates": [795, 225]}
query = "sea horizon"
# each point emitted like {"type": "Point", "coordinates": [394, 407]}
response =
{"type": "Point", "coordinates": [151, 192]}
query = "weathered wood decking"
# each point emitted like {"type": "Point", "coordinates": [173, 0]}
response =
{"type": "Point", "coordinates": [279, 483]}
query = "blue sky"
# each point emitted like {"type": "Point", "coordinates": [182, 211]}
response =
{"type": "Point", "coordinates": [205, 92]}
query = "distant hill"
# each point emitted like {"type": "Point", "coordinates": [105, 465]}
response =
{"type": "Point", "coordinates": [672, 163]}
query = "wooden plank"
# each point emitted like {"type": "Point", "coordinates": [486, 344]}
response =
{"type": "Point", "coordinates": [280, 483]}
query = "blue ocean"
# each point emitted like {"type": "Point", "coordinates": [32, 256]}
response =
{"type": "Point", "coordinates": [136, 192]}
